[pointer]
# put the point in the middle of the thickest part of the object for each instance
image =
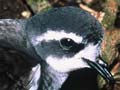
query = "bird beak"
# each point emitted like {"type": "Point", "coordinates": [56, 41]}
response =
{"type": "Point", "coordinates": [102, 70]}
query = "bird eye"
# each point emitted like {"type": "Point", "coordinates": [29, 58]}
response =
{"type": "Point", "coordinates": [71, 46]}
{"type": "Point", "coordinates": [66, 43]}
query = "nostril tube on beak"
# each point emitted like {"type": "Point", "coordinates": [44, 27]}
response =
{"type": "Point", "coordinates": [102, 70]}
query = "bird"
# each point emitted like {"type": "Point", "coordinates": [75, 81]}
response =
{"type": "Point", "coordinates": [64, 44]}
{"type": "Point", "coordinates": [16, 64]}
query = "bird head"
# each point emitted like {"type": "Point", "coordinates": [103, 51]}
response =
{"type": "Point", "coordinates": [67, 39]}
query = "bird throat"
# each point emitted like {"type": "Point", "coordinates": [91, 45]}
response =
{"type": "Point", "coordinates": [82, 79]}
{"type": "Point", "coordinates": [51, 79]}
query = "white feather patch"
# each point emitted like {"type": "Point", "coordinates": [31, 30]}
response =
{"type": "Point", "coordinates": [56, 35]}
{"type": "Point", "coordinates": [65, 64]}
{"type": "Point", "coordinates": [34, 78]}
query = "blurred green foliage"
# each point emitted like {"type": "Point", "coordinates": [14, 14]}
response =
{"type": "Point", "coordinates": [39, 5]}
{"type": "Point", "coordinates": [109, 18]}
{"type": "Point", "coordinates": [118, 1]}
{"type": "Point", "coordinates": [110, 10]}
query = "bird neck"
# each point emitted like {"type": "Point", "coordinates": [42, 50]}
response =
{"type": "Point", "coordinates": [51, 79]}
{"type": "Point", "coordinates": [82, 79]}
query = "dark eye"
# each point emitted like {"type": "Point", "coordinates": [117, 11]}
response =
{"type": "Point", "coordinates": [66, 43]}
{"type": "Point", "coordinates": [71, 46]}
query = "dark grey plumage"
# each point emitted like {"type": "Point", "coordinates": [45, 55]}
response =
{"type": "Point", "coordinates": [16, 55]}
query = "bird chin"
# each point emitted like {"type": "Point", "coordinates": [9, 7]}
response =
{"type": "Point", "coordinates": [66, 65]}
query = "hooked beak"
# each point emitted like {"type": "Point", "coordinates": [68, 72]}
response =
{"type": "Point", "coordinates": [102, 70]}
